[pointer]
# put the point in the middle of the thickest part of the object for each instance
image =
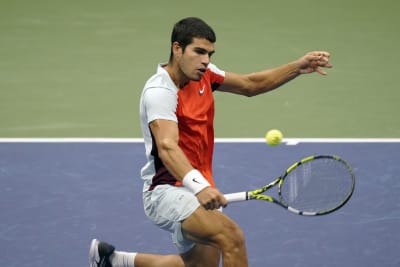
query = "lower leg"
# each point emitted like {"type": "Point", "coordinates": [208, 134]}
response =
{"type": "Point", "coordinates": [104, 254]}
{"type": "Point", "coordinates": [154, 260]}
{"type": "Point", "coordinates": [199, 255]}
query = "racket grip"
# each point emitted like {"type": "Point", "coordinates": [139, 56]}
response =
{"type": "Point", "coordinates": [235, 197]}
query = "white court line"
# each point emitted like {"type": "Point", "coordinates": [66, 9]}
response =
{"type": "Point", "coordinates": [295, 141]}
{"type": "Point", "coordinates": [71, 140]}
{"type": "Point", "coordinates": [287, 141]}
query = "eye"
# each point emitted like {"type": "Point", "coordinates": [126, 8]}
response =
{"type": "Point", "coordinates": [201, 51]}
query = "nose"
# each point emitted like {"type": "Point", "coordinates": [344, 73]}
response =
{"type": "Point", "coordinates": [205, 60]}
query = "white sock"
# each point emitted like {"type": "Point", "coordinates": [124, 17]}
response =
{"type": "Point", "coordinates": [123, 259]}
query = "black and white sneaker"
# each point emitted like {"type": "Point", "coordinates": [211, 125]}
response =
{"type": "Point", "coordinates": [99, 254]}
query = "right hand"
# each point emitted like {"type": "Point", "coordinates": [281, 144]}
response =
{"type": "Point", "coordinates": [211, 198]}
{"type": "Point", "coordinates": [313, 61]}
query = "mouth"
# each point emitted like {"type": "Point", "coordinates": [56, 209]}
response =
{"type": "Point", "coordinates": [201, 71]}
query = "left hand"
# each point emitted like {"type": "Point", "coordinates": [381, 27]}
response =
{"type": "Point", "coordinates": [313, 61]}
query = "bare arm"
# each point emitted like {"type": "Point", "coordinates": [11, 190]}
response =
{"type": "Point", "coordinates": [166, 136]}
{"type": "Point", "coordinates": [263, 81]}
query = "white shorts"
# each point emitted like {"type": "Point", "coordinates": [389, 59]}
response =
{"type": "Point", "coordinates": [167, 206]}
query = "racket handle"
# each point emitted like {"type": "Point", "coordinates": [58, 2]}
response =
{"type": "Point", "coordinates": [235, 197]}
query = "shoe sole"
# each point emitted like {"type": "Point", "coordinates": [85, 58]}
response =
{"type": "Point", "coordinates": [94, 253]}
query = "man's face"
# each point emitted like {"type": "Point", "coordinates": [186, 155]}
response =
{"type": "Point", "coordinates": [194, 60]}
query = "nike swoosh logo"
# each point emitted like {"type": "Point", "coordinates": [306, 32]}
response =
{"type": "Point", "coordinates": [201, 91]}
{"type": "Point", "coordinates": [195, 180]}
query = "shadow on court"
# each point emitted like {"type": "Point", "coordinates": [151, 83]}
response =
{"type": "Point", "coordinates": [56, 197]}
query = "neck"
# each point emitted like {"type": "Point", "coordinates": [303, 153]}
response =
{"type": "Point", "coordinates": [176, 75]}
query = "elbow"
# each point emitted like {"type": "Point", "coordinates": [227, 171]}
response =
{"type": "Point", "coordinates": [251, 88]}
{"type": "Point", "coordinates": [250, 92]}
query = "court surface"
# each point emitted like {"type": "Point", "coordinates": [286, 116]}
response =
{"type": "Point", "coordinates": [56, 196]}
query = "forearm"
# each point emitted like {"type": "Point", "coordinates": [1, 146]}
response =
{"type": "Point", "coordinates": [268, 80]}
{"type": "Point", "coordinates": [264, 81]}
{"type": "Point", "coordinates": [259, 82]}
{"type": "Point", "coordinates": [175, 160]}
{"type": "Point", "coordinates": [179, 166]}
{"type": "Point", "coordinates": [166, 136]}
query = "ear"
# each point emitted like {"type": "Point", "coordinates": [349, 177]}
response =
{"type": "Point", "coordinates": [176, 49]}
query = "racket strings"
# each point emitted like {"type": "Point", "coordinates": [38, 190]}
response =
{"type": "Point", "coordinates": [321, 184]}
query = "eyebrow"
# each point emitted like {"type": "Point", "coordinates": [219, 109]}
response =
{"type": "Point", "coordinates": [204, 51]}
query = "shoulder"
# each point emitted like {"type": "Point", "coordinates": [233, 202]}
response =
{"type": "Point", "coordinates": [215, 70]}
{"type": "Point", "coordinates": [160, 79]}
{"type": "Point", "coordinates": [216, 76]}
{"type": "Point", "coordinates": [159, 89]}
{"type": "Point", "coordinates": [159, 86]}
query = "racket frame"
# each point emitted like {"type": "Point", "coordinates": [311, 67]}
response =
{"type": "Point", "coordinates": [257, 194]}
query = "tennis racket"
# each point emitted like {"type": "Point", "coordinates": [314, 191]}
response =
{"type": "Point", "coordinates": [315, 185]}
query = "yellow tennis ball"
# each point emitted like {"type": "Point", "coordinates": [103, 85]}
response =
{"type": "Point", "coordinates": [273, 137]}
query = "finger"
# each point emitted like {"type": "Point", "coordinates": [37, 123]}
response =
{"type": "Point", "coordinates": [322, 53]}
{"type": "Point", "coordinates": [321, 71]}
{"type": "Point", "coordinates": [223, 202]}
{"type": "Point", "coordinates": [328, 65]}
{"type": "Point", "coordinates": [214, 204]}
{"type": "Point", "coordinates": [211, 205]}
{"type": "Point", "coordinates": [323, 63]}
{"type": "Point", "coordinates": [208, 206]}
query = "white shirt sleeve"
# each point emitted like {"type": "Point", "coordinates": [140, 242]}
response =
{"type": "Point", "coordinates": [160, 103]}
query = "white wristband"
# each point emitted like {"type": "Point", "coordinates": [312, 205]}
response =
{"type": "Point", "coordinates": [195, 181]}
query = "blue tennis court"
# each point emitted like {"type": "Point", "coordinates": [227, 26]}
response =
{"type": "Point", "coordinates": [56, 196]}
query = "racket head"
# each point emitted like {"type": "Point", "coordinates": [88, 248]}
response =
{"type": "Point", "coordinates": [317, 185]}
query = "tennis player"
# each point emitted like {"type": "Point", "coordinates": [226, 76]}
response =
{"type": "Point", "coordinates": [177, 113]}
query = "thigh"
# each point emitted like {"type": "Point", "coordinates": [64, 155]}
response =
{"type": "Point", "coordinates": [168, 205]}
{"type": "Point", "coordinates": [209, 227]}
{"type": "Point", "coordinates": [214, 228]}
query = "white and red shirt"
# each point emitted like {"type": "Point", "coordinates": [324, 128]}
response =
{"type": "Point", "coordinates": [192, 108]}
